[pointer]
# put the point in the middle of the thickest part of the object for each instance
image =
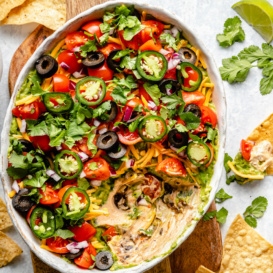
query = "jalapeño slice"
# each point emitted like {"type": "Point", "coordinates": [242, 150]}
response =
{"type": "Point", "coordinates": [90, 91]}
{"type": "Point", "coordinates": [190, 76]}
{"type": "Point", "coordinates": [58, 103]}
{"type": "Point", "coordinates": [152, 128]}
{"type": "Point", "coordinates": [75, 203]}
{"type": "Point", "coordinates": [67, 164]}
{"type": "Point", "coordinates": [42, 222]}
{"type": "Point", "coordinates": [198, 153]}
{"type": "Point", "coordinates": [151, 65]}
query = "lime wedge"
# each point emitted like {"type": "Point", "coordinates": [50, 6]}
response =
{"type": "Point", "coordinates": [258, 14]}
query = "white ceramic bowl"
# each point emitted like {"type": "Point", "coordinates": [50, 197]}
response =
{"type": "Point", "coordinates": [72, 25]}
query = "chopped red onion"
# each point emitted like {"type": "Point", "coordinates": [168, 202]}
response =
{"type": "Point", "coordinates": [75, 247]}
{"type": "Point", "coordinates": [112, 171]}
{"type": "Point", "coordinates": [78, 74]}
{"type": "Point", "coordinates": [174, 31]}
{"type": "Point", "coordinates": [23, 126]}
{"type": "Point", "coordinates": [58, 148]}
{"type": "Point", "coordinates": [164, 51]}
{"type": "Point", "coordinates": [53, 175]}
{"type": "Point", "coordinates": [83, 156]}
{"type": "Point", "coordinates": [174, 61]}
{"type": "Point", "coordinates": [103, 130]}
{"type": "Point", "coordinates": [115, 129]}
{"type": "Point", "coordinates": [96, 122]}
{"type": "Point", "coordinates": [169, 92]}
{"type": "Point", "coordinates": [95, 183]}
{"type": "Point", "coordinates": [72, 85]}
{"type": "Point", "coordinates": [76, 49]}
{"type": "Point", "coordinates": [83, 174]}
{"type": "Point", "coordinates": [130, 163]}
{"type": "Point", "coordinates": [127, 113]}
{"type": "Point", "coordinates": [152, 105]}
{"type": "Point", "coordinates": [65, 66]}
{"type": "Point", "coordinates": [15, 186]}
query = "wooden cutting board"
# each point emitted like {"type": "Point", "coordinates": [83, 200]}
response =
{"type": "Point", "coordinates": [204, 245]}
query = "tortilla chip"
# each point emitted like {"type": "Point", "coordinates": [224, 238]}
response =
{"type": "Point", "coordinates": [5, 220]}
{"type": "Point", "coordinates": [8, 249]}
{"type": "Point", "coordinates": [245, 250]}
{"type": "Point", "coordinates": [50, 13]}
{"type": "Point", "coordinates": [7, 6]}
{"type": "Point", "coordinates": [202, 269]}
{"type": "Point", "coordinates": [264, 132]}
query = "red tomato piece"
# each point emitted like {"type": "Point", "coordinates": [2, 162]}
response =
{"type": "Point", "coordinates": [208, 116]}
{"type": "Point", "coordinates": [134, 43]}
{"type": "Point", "coordinates": [75, 39]}
{"type": "Point", "coordinates": [246, 147]}
{"type": "Point", "coordinates": [143, 93]}
{"type": "Point", "coordinates": [170, 74]}
{"type": "Point", "coordinates": [48, 196]}
{"type": "Point", "coordinates": [41, 142]}
{"type": "Point", "coordinates": [134, 102]}
{"type": "Point", "coordinates": [195, 97]}
{"type": "Point", "coordinates": [93, 27]}
{"type": "Point", "coordinates": [103, 72]}
{"type": "Point", "coordinates": [110, 232]}
{"type": "Point", "coordinates": [106, 50]}
{"type": "Point", "coordinates": [151, 45]}
{"type": "Point", "coordinates": [60, 83]}
{"type": "Point", "coordinates": [192, 76]}
{"type": "Point", "coordinates": [152, 30]}
{"type": "Point", "coordinates": [29, 111]}
{"type": "Point", "coordinates": [83, 232]}
{"type": "Point", "coordinates": [97, 169]}
{"type": "Point", "coordinates": [72, 62]}
{"type": "Point", "coordinates": [81, 146]}
{"type": "Point", "coordinates": [57, 244]}
{"type": "Point", "coordinates": [128, 138]}
{"type": "Point", "coordinates": [85, 260]}
{"type": "Point", "coordinates": [172, 167]}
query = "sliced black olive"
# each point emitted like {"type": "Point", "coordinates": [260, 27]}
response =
{"type": "Point", "coordinates": [178, 139]}
{"type": "Point", "coordinates": [21, 201]}
{"type": "Point", "coordinates": [121, 201]}
{"type": "Point", "coordinates": [72, 256]}
{"type": "Point", "coordinates": [26, 145]}
{"type": "Point", "coordinates": [193, 108]}
{"type": "Point", "coordinates": [93, 59]}
{"type": "Point", "coordinates": [168, 188]}
{"type": "Point", "coordinates": [169, 86]}
{"type": "Point", "coordinates": [46, 66]}
{"type": "Point", "coordinates": [108, 141]}
{"type": "Point", "coordinates": [187, 55]}
{"type": "Point", "coordinates": [104, 260]}
{"type": "Point", "coordinates": [119, 152]}
{"type": "Point", "coordinates": [111, 114]}
{"type": "Point", "coordinates": [113, 64]}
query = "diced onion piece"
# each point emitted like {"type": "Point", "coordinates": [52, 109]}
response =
{"type": "Point", "coordinates": [152, 105]}
{"type": "Point", "coordinates": [15, 186]}
{"type": "Point", "coordinates": [72, 85]}
{"type": "Point", "coordinates": [83, 174]}
{"type": "Point", "coordinates": [65, 66]}
{"type": "Point", "coordinates": [127, 113]}
{"type": "Point", "coordinates": [96, 122]}
{"type": "Point", "coordinates": [78, 74]}
{"type": "Point", "coordinates": [143, 202]}
{"type": "Point", "coordinates": [23, 126]}
{"type": "Point", "coordinates": [130, 163]}
{"type": "Point", "coordinates": [174, 31]}
{"type": "Point", "coordinates": [83, 156]}
{"type": "Point", "coordinates": [103, 130]}
{"type": "Point", "coordinates": [174, 61]}
{"type": "Point", "coordinates": [74, 247]}
{"type": "Point", "coordinates": [95, 183]}
{"type": "Point", "coordinates": [53, 175]}
{"type": "Point", "coordinates": [164, 51]}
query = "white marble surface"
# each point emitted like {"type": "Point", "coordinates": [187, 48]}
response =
{"type": "Point", "coordinates": [246, 107]}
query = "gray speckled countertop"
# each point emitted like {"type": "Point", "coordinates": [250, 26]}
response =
{"type": "Point", "coordinates": [246, 107]}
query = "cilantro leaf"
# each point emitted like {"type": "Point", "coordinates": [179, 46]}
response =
{"type": "Point", "coordinates": [168, 39]}
{"type": "Point", "coordinates": [257, 207]}
{"type": "Point", "coordinates": [64, 233]}
{"type": "Point", "coordinates": [209, 215]}
{"type": "Point", "coordinates": [233, 32]}
{"type": "Point", "coordinates": [235, 69]}
{"type": "Point", "coordinates": [89, 46]}
{"type": "Point", "coordinates": [101, 109]}
{"type": "Point", "coordinates": [221, 215]}
{"type": "Point", "coordinates": [154, 92]}
{"type": "Point", "coordinates": [221, 196]}
{"type": "Point", "coordinates": [251, 221]}
{"type": "Point", "coordinates": [37, 180]}
{"type": "Point", "coordinates": [172, 101]}
{"type": "Point", "coordinates": [191, 120]}
{"type": "Point", "coordinates": [266, 83]}
{"type": "Point", "coordinates": [226, 159]}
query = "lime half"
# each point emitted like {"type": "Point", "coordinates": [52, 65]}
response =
{"type": "Point", "coordinates": [258, 14]}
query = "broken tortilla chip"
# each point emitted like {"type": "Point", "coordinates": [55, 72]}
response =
{"type": "Point", "coordinates": [7, 6]}
{"type": "Point", "coordinates": [50, 13]}
{"type": "Point", "coordinates": [8, 249]}
{"type": "Point", "coordinates": [245, 250]}
{"type": "Point", "coordinates": [5, 220]}
{"type": "Point", "coordinates": [202, 269]}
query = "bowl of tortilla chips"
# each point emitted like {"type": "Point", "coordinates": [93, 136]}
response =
{"type": "Point", "coordinates": [172, 228]}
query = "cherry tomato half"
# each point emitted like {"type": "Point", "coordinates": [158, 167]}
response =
{"type": "Point", "coordinates": [75, 39]}
{"type": "Point", "coordinates": [60, 83]}
{"type": "Point", "coordinates": [69, 58]}
{"type": "Point", "coordinates": [171, 166]}
{"type": "Point", "coordinates": [93, 27]}
{"type": "Point", "coordinates": [246, 147]}
{"type": "Point", "coordinates": [151, 45]}
{"type": "Point", "coordinates": [48, 196]}
{"type": "Point", "coordinates": [128, 138]}
{"type": "Point", "coordinates": [103, 72]}
{"type": "Point", "coordinates": [29, 111]}
{"type": "Point", "coordinates": [195, 97]}
{"type": "Point", "coordinates": [110, 232]}
{"type": "Point", "coordinates": [57, 244]}
{"type": "Point", "coordinates": [41, 142]}
{"type": "Point", "coordinates": [134, 43]}
{"type": "Point", "coordinates": [83, 232]}
{"type": "Point", "coordinates": [208, 116]}
{"type": "Point", "coordinates": [152, 30]}
{"type": "Point", "coordinates": [85, 260]}
{"type": "Point", "coordinates": [106, 50]}
{"type": "Point", "coordinates": [97, 169]}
